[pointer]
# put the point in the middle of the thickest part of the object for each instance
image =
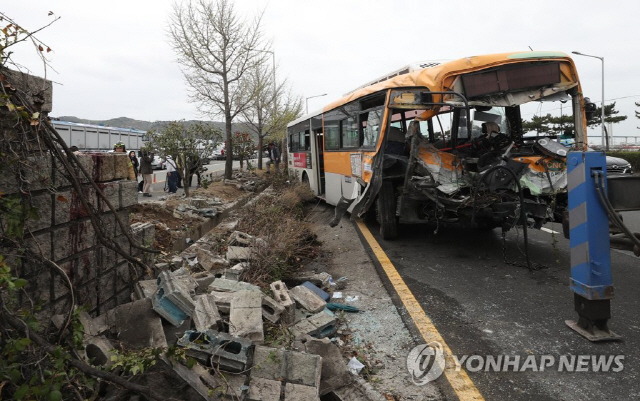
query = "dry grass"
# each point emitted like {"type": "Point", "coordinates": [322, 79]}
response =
{"type": "Point", "coordinates": [279, 221]}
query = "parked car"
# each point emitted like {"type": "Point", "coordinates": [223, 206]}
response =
{"type": "Point", "coordinates": [218, 154]}
{"type": "Point", "coordinates": [157, 163]}
{"type": "Point", "coordinates": [617, 165]}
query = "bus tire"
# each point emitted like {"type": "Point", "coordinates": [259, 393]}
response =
{"type": "Point", "coordinates": [305, 179]}
{"type": "Point", "coordinates": [387, 211]}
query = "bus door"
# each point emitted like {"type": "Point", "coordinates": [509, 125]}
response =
{"type": "Point", "coordinates": [319, 161]}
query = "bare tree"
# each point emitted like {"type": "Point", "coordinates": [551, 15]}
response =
{"type": "Point", "coordinates": [214, 47]}
{"type": "Point", "coordinates": [271, 108]}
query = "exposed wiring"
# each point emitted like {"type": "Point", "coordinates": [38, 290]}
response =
{"type": "Point", "coordinates": [523, 214]}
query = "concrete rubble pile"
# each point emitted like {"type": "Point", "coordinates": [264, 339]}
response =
{"type": "Point", "coordinates": [219, 321]}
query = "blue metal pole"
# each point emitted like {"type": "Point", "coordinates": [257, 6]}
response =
{"type": "Point", "coordinates": [591, 279]}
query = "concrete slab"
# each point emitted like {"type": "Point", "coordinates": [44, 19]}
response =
{"type": "Point", "coordinates": [268, 363]}
{"type": "Point", "coordinates": [334, 368]}
{"type": "Point", "coordinates": [206, 315]}
{"type": "Point", "coordinates": [307, 299]}
{"type": "Point", "coordinates": [139, 326]}
{"type": "Point", "coordinates": [264, 390]}
{"type": "Point", "coordinates": [245, 319]}
{"type": "Point", "coordinates": [298, 392]}
{"type": "Point", "coordinates": [238, 253]}
{"type": "Point", "coordinates": [224, 285]}
{"type": "Point", "coordinates": [303, 368]}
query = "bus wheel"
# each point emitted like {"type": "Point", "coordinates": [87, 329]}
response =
{"type": "Point", "coordinates": [387, 211]}
{"type": "Point", "coordinates": [305, 179]}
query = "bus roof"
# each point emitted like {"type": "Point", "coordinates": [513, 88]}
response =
{"type": "Point", "coordinates": [433, 76]}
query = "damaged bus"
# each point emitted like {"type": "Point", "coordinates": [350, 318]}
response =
{"type": "Point", "coordinates": [444, 143]}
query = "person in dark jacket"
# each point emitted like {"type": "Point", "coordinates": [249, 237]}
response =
{"type": "Point", "coordinates": [147, 171]}
{"type": "Point", "coordinates": [274, 157]}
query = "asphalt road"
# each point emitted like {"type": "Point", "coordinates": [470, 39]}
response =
{"type": "Point", "coordinates": [216, 167]}
{"type": "Point", "coordinates": [484, 306]}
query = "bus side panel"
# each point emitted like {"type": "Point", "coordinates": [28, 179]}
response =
{"type": "Point", "coordinates": [333, 187]}
{"type": "Point", "coordinates": [338, 163]}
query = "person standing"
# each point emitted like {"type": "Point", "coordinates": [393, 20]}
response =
{"type": "Point", "coordinates": [134, 162]}
{"type": "Point", "coordinates": [146, 170]}
{"type": "Point", "coordinates": [274, 157]}
{"type": "Point", "coordinates": [196, 166]}
{"type": "Point", "coordinates": [172, 176]}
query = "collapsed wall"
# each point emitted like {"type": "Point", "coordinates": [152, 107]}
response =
{"type": "Point", "coordinates": [36, 194]}
{"type": "Point", "coordinates": [63, 233]}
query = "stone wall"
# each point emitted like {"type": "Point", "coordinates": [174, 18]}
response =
{"type": "Point", "coordinates": [63, 233]}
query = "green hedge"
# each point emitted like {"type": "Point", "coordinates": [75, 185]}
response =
{"type": "Point", "coordinates": [631, 157]}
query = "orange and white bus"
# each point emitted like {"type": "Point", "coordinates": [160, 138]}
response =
{"type": "Point", "coordinates": [444, 142]}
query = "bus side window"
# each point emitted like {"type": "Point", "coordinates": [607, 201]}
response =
{"type": "Point", "coordinates": [370, 127]}
{"type": "Point", "coordinates": [349, 133]}
{"type": "Point", "coordinates": [331, 135]}
{"type": "Point", "coordinates": [295, 146]}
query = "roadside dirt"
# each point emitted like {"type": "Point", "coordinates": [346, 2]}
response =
{"type": "Point", "coordinates": [171, 222]}
{"type": "Point", "coordinates": [376, 335]}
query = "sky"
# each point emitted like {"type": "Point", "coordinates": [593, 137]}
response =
{"type": "Point", "coordinates": [113, 58]}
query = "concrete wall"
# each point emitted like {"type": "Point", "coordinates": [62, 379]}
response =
{"type": "Point", "coordinates": [64, 234]}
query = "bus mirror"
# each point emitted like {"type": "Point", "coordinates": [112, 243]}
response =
{"type": "Point", "coordinates": [589, 109]}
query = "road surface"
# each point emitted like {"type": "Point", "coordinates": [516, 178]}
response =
{"type": "Point", "coordinates": [484, 306]}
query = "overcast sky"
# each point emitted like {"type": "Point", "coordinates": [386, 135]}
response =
{"type": "Point", "coordinates": [112, 58]}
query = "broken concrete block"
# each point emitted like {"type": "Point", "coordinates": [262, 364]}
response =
{"type": "Point", "coordinates": [206, 315]}
{"type": "Point", "coordinates": [177, 261]}
{"type": "Point", "coordinates": [268, 363]}
{"type": "Point", "coordinates": [303, 368]}
{"type": "Point", "coordinates": [281, 294]}
{"type": "Point", "coordinates": [222, 300]}
{"type": "Point", "coordinates": [236, 271]}
{"type": "Point", "coordinates": [334, 368]}
{"type": "Point", "coordinates": [271, 309]}
{"type": "Point", "coordinates": [173, 333]}
{"type": "Point", "coordinates": [217, 349]}
{"type": "Point", "coordinates": [264, 390]}
{"type": "Point", "coordinates": [145, 288]}
{"type": "Point", "coordinates": [210, 261]}
{"type": "Point", "coordinates": [307, 299]}
{"type": "Point", "coordinates": [138, 326]}
{"type": "Point", "coordinates": [198, 203]}
{"type": "Point", "coordinates": [98, 351]}
{"type": "Point", "coordinates": [244, 239]}
{"type": "Point", "coordinates": [199, 379]}
{"type": "Point", "coordinates": [245, 318]}
{"type": "Point", "coordinates": [239, 253]}
{"type": "Point", "coordinates": [224, 285]}
{"type": "Point", "coordinates": [234, 387]}
{"type": "Point", "coordinates": [320, 325]}
{"type": "Point", "coordinates": [172, 300]}
{"type": "Point", "coordinates": [299, 392]}
{"type": "Point", "coordinates": [319, 292]}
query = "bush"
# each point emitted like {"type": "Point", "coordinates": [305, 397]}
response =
{"type": "Point", "coordinates": [279, 220]}
{"type": "Point", "coordinates": [631, 157]}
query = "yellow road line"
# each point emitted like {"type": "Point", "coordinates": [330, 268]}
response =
{"type": "Point", "coordinates": [459, 380]}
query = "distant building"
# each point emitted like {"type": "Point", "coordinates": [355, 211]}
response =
{"type": "Point", "coordinates": [91, 137]}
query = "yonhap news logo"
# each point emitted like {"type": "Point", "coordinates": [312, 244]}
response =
{"type": "Point", "coordinates": [426, 362]}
